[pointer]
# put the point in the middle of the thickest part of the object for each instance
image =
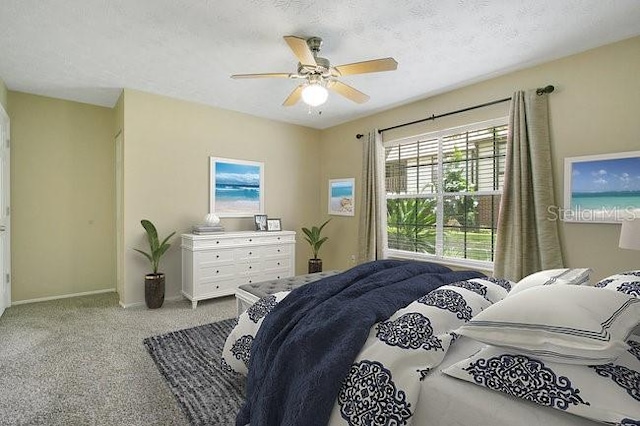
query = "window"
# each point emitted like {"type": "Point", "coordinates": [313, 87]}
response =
{"type": "Point", "coordinates": [443, 192]}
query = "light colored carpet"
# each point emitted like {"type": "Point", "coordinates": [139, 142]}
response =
{"type": "Point", "coordinates": [81, 361]}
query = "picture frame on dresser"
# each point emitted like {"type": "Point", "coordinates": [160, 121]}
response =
{"type": "Point", "coordinates": [261, 222]}
{"type": "Point", "coordinates": [274, 225]}
{"type": "Point", "coordinates": [236, 187]}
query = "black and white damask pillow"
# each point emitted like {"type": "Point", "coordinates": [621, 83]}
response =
{"type": "Point", "coordinates": [237, 347]}
{"type": "Point", "coordinates": [492, 289]}
{"type": "Point", "coordinates": [626, 282]}
{"type": "Point", "coordinates": [383, 384]}
{"type": "Point", "coordinates": [607, 393]}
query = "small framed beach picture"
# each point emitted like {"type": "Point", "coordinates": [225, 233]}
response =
{"type": "Point", "coordinates": [602, 188]}
{"type": "Point", "coordinates": [236, 187]}
{"type": "Point", "coordinates": [274, 225]}
{"type": "Point", "coordinates": [342, 197]}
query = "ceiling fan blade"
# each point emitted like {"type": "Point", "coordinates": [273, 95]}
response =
{"type": "Point", "coordinates": [348, 92]}
{"type": "Point", "coordinates": [265, 75]}
{"type": "Point", "coordinates": [294, 97]}
{"type": "Point", "coordinates": [301, 49]}
{"type": "Point", "coordinates": [375, 65]}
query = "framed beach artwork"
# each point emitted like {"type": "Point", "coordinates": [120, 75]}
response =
{"type": "Point", "coordinates": [342, 197]}
{"type": "Point", "coordinates": [602, 188]}
{"type": "Point", "coordinates": [236, 187]}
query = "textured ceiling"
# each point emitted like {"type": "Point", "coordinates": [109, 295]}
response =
{"type": "Point", "coordinates": [88, 50]}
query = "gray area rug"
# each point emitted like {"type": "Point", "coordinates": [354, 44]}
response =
{"type": "Point", "coordinates": [189, 360]}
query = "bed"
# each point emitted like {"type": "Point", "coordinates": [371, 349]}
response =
{"type": "Point", "coordinates": [413, 364]}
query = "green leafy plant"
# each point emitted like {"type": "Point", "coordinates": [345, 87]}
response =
{"type": "Point", "coordinates": [411, 224]}
{"type": "Point", "coordinates": [314, 238]}
{"type": "Point", "coordinates": [157, 248]}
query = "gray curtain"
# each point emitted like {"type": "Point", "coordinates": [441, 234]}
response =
{"type": "Point", "coordinates": [373, 207]}
{"type": "Point", "coordinates": [527, 239]}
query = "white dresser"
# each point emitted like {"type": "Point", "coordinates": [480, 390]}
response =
{"type": "Point", "coordinates": [215, 265]}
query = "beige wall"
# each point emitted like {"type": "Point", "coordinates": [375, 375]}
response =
{"type": "Point", "coordinates": [3, 94]}
{"type": "Point", "coordinates": [62, 197]}
{"type": "Point", "coordinates": [167, 147]}
{"type": "Point", "coordinates": [594, 110]}
{"type": "Point", "coordinates": [63, 158]}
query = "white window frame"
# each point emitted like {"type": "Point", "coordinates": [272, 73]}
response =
{"type": "Point", "coordinates": [438, 257]}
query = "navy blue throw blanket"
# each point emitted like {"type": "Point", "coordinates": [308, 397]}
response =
{"type": "Point", "coordinates": [306, 345]}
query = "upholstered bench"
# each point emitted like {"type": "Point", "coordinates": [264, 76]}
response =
{"type": "Point", "coordinates": [248, 294]}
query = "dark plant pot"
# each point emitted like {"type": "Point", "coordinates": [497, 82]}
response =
{"type": "Point", "coordinates": [154, 290]}
{"type": "Point", "coordinates": [315, 265]}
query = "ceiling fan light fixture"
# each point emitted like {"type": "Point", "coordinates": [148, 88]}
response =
{"type": "Point", "coordinates": [314, 94]}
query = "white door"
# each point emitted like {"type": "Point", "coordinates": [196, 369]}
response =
{"type": "Point", "coordinates": [5, 222]}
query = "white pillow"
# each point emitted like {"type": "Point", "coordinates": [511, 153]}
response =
{"type": "Point", "coordinates": [572, 276]}
{"type": "Point", "coordinates": [626, 282]}
{"type": "Point", "coordinates": [607, 393]}
{"type": "Point", "coordinates": [562, 323]}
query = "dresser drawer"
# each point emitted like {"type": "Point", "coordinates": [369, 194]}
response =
{"type": "Point", "coordinates": [210, 272]}
{"type": "Point", "coordinates": [214, 257]}
{"type": "Point", "coordinates": [276, 239]}
{"type": "Point", "coordinates": [276, 251]}
{"type": "Point", "coordinates": [249, 267]}
{"type": "Point", "coordinates": [246, 253]}
{"type": "Point", "coordinates": [251, 278]}
{"type": "Point", "coordinates": [273, 264]}
{"type": "Point", "coordinates": [276, 275]}
{"type": "Point", "coordinates": [215, 288]}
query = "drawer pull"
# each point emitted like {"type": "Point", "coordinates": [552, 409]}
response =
{"type": "Point", "coordinates": [217, 286]}
{"type": "Point", "coordinates": [250, 281]}
{"type": "Point", "coordinates": [278, 263]}
{"type": "Point", "coordinates": [250, 267]}
{"type": "Point", "coordinates": [217, 242]}
{"type": "Point", "coordinates": [250, 253]}
{"type": "Point", "coordinates": [217, 272]}
{"type": "Point", "coordinates": [217, 256]}
{"type": "Point", "coordinates": [278, 250]}
{"type": "Point", "coordinates": [250, 240]}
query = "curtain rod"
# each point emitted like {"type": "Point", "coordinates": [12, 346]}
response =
{"type": "Point", "coordinates": [539, 91]}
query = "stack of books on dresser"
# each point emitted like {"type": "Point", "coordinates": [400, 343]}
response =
{"type": "Point", "coordinates": [207, 229]}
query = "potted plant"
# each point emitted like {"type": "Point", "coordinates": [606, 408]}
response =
{"type": "Point", "coordinates": [315, 241]}
{"type": "Point", "coordinates": [154, 282]}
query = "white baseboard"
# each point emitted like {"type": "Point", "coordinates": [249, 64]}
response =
{"type": "Point", "coordinates": [64, 296]}
{"type": "Point", "coordinates": [139, 304]}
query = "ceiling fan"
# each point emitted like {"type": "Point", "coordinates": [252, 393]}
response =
{"type": "Point", "coordinates": [318, 75]}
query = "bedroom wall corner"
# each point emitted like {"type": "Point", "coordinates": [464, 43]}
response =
{"type": "Point", "coordinates": [118, 149]}
{"type": "Point", "coordinates": [166, 176]}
